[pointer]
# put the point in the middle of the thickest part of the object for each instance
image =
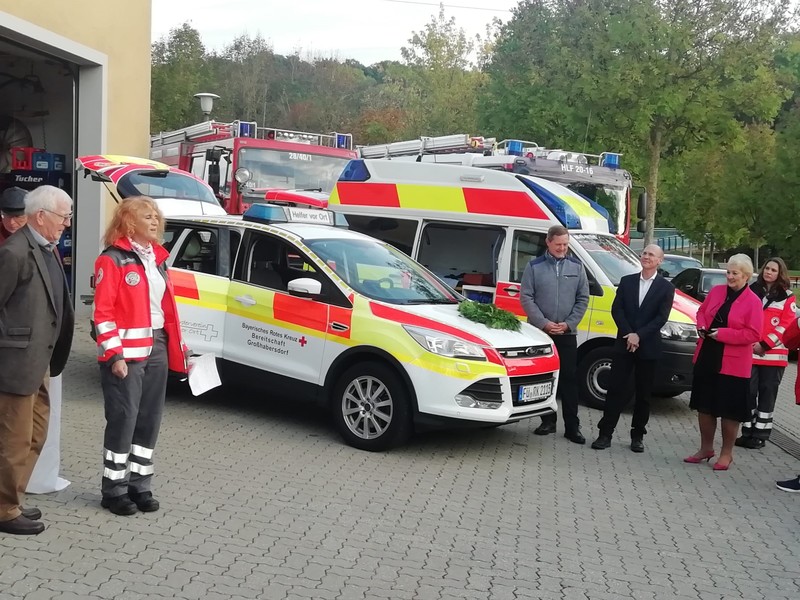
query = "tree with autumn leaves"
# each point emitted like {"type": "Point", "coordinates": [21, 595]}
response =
{"type": "Point", "coordinates": [699, 96]}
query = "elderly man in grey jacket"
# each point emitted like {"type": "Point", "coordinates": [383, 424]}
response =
{"type": "Point", "coordinates": [555, 296]}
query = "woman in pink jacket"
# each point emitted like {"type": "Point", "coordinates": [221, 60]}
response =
{"type": "Point", "coordinates": [729, 323]}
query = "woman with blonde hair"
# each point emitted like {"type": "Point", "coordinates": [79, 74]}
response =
{"type": "Point", "coordinates": [729, 323]}
{"type": "Point", "coordinates": [139, 341]}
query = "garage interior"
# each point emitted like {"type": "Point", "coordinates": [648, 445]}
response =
{"type": "Point", "coordinates": [38, 129]}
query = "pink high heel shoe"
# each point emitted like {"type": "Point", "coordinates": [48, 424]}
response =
{"type": "Point", "coordinates": [718, 466]}
{"type": "Point", "coordinates": [698, 458]}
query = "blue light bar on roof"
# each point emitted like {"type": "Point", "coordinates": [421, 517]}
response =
{"type": "Point", "coordinates": [610, 160]}
{"type": "Point", "coordinates": [270, 213]}
{"type": "Point", "coordinates": [514, 147]}
{"type": "Point", "coordinates": [562, 211]}
{"type": "Point", "coordinates": [355, 170]}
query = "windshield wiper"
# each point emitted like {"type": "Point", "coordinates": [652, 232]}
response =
{"type": "Point", "coordinates": [432, 301]}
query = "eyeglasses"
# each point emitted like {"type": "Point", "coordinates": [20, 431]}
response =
{"type": "Point", "coordinates": [17, 218]}
{"type": "Point", "coordinates": [64, 218]}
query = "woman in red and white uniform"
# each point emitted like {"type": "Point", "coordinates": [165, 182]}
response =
{"type": "Point", "coordinates": [139, 341]}
{"type": "Point", "coordinates": [770, 355]}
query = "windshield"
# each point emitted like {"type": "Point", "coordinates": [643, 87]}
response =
{"type": "Point", "coordinates": [281, 169]}
{"type": "Point", "coordinates": [613, 199]}
{"type": "Point", "coordinates": [161, 184]}
{"type": "Point", "coordinates": [381, 272]}
{"type": "Point", "coordinates": [612, 256]}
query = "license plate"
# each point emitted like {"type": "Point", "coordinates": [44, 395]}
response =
{"type": "Point", "coordinates": [536, 391]}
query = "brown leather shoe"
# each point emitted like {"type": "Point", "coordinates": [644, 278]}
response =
{"type": "Point", "coordinates": [34, 514]}
{"type": "Point", "coordinates": [21, 526]}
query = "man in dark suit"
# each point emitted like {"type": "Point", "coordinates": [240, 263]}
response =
{"type": "Point", "coordinates": [36, 324]}
{"type": "Point", "coordinates": [640, 309]}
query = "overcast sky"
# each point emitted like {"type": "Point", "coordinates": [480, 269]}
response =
{"type": "Point", "coordinates": [367, 30]}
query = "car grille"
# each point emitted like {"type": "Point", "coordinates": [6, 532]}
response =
{"type": "Point", "coordinates": [526, 351]}
{"type": "Point", "coordinates": [487, 390]}
{"type": "Point", "coordinates": [516, 382]}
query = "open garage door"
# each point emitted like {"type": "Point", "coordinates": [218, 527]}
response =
{"type": "Point", "coordinates": [38, 136]}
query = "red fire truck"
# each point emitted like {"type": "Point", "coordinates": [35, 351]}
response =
{"type": "Point", "coordinates": [242, 160]}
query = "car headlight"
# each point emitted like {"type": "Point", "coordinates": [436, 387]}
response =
{"type": "Point", "coordinates": [685, 332]}
{"type": "Point", "coordinates": [445, 345]}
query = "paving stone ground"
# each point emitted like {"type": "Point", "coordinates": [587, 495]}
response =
{"type": "Point", "coordinates": [261, 499]}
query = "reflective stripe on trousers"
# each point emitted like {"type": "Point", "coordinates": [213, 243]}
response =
{"type": "Point", "coordinates": [133, 408]}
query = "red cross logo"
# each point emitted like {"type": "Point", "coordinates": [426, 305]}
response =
{"type": "Point", "coordinates": [303, 341]}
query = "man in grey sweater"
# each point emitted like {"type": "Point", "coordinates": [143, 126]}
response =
{"type": "Point", "coordinates": [555, 296]}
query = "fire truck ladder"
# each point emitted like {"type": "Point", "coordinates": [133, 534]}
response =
{"type": "Point", "coordinates": [468, 144]}
{"type": "Point", "coordinates": [430, 145]}
{"type": "Point", "coordinates": [251, 129]}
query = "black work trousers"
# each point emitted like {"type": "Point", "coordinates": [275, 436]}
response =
{"type": "Point", "coordinates": [134, 406]}
{"type": "Point", "coordinates": [623, 365]}
{"type": "Point", "coordinates": [567, 346]}
{"type": "Point", "coordinates": [764, 383]}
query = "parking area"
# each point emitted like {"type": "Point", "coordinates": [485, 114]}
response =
{"type": "Point", "coordinates": [262, 500]}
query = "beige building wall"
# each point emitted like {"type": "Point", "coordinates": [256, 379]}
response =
{"type": "Point", "coordinates": [121, 31]}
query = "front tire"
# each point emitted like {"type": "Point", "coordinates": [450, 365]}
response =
{"type": "Point", "coordinates": [594, 374]}
{"type": "Point", "coordinates": [371, 407]}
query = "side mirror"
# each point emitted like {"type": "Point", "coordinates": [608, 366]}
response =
{"type": "Point", "coordinates": [641, 226]}
{"type": "Point", "coordinates": [213, 154]}
{"type": "Point", "coordinates": [213, 177]}
{"type": "Point", "coordinates": [305, 287]}
{"type": "Point", "coordinates": [595, 289]}
{"type": "Point", "coordinates": [641, 207]}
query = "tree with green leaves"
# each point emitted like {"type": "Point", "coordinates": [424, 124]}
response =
{"type": "Point", "coordinates": [443, 82]}
{"type": "Point", "coordinates": [653, 79]}
{"type": "Point", "coordinates": [179, 70]}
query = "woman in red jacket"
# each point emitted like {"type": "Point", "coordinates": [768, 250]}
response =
{"type": "Point", "coordinates": [792, 341]}
{"type": "Point", "coordinates": [729, 323]}
{"type": "Point", "coordinates": [139, 340]}
{"type": "Point", "coordinates": [770, 355]}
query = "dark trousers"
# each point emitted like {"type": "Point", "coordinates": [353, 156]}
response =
{"type": "Point", "coordinates": [133, 407]}
{"type": "Point", "coordinates": [764, 384]}
{"type": "Point", "coordinates": [23, 431]}
{"type": "Point", "coordinates": [567, 346]}
{"type": "Point", "coordinates": [623, 364]}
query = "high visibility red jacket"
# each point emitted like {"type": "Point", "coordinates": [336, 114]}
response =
{"type": "Point", "coordinates": [779, 312]}
{"type": "Point", "coordinates": [791, 339]}
{"type": "Point", "coordinates": [122, 307]}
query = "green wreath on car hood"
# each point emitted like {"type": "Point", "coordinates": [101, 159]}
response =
{"type": "Point", "coordinates": [489, 315]}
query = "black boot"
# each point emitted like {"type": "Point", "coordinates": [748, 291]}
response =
{"type": "Point", "coordinates": [145, 501]}
{"type": "Point", "coordinates": [602, 442]}
{"type": "Point", "coordinates": [119, 505]}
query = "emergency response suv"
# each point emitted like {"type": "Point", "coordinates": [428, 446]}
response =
{"type": "Point", "coordinates": [319, 311]}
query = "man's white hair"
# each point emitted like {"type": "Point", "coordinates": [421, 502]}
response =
{"type": "Point", "coordinates": [46, 197]}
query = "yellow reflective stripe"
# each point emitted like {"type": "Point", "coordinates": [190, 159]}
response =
{"type": "Point", "coordinates": [430, 197]}
{"type": "Point", "coordinates": [581, 207]}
